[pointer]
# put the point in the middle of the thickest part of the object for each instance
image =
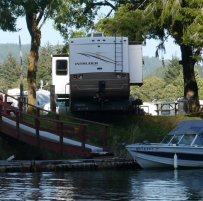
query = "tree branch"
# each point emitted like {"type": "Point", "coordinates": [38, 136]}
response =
{"type": "Point", "coordinates": [45, 15]}
{"type": "Point", "coordinates": [41, 14]}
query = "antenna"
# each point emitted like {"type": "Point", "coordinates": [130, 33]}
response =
{"type": "Point", "coordinates": [21, 75]}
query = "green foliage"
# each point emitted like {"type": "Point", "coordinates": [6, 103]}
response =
{"type": "Point", "coordinates": [136, 129]}
{"type": "Point", "coordinates": [200, 84]}
{"type": "Point", "coordinates": [10, 69]}
{"type": "Point", "coordinates": [182, 20]}
{"type": "Point", "coordinates": [150, 90]}
{"type": "Point", "coordinates": [36, 13]}
{"type": "Point", "coordinates": [172, 71]}
{"type": "Point", "coordinates": [10, 73]}
{"type": "Point", "coordinates": [126, 22]}
{"type": "Point", "coordinates": [8, 16]}
{"type": "Point", "coordinates": [72, 15]}
{"type": "Point", "coordinates": [78, 34]}
{"type": "Point", "coordinates": [168, 88]}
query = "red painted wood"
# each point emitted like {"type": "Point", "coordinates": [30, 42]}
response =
{"type": "Point", "coordinates": [76, 131]}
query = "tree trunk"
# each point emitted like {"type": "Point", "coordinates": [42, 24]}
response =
{"type": "Point", "coordinates": [32, 61]}
{"type": "Point", "coordinates": [190, 85]}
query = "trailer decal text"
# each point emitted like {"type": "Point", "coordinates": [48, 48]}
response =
{"type": "Point", "coordinates": [86, 63]}
{"type": "Point", "coordinates": [97, 56]}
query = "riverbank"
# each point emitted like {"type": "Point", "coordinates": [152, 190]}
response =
{"type": "Point", "coordinates": [124, 129]}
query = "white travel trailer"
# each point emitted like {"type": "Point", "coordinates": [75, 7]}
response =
{"type": "Point", "coordinates": [101, 70]}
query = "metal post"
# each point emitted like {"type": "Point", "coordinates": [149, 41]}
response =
{"type": "Point", "coordinates": [21, 75]}
{"type": "Point", "coordinates": [61, 137]}
{"type": "Point", "coordinates": [1, 110]}
{"type": "Point", "coordinates": [52, 98]}
{"type": "Point", "coordinates": [83, 137]}
{"type": "Point", "coordinates": [20, 105]}
{"type": "Point", "coordinates": [37, 128]}
{"type": "Point", "coordinates": [105, 137]}
{"type": "Point", "coordinates": [18, 124]}
{"type": "Point", "coordinates": [5, 103]}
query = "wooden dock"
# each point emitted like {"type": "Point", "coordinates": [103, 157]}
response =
{"type": "Point", "coordinates": [67, 165]}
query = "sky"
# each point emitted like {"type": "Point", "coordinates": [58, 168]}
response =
{"type": "Point", "coordinates": [49, 34]}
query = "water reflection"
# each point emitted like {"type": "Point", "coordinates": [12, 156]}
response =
{"type": "Point", "coordinates": [169, 185]}
{"type": "Point", "coordinates": [103, 185]}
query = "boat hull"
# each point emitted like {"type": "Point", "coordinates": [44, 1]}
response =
{"type": "Point", "coordinates": [160, 156]}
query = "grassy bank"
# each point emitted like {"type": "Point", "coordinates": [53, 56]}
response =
{"type": "Point", "coordinates": [124, 130]}
{"type": "Point", "coordinates": [128, 130]}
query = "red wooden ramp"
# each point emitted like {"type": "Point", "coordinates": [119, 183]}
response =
{"type": "Point", "coordinates": [74, 137]}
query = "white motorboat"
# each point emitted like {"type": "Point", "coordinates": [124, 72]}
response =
{"type": "Point", "coordinates": [182, 147]}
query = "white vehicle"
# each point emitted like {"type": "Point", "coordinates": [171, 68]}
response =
{"type": "Point", "coordinates": [99, 74]}
{"type": "Point", "coordinates": [15, 92]}
{"type": "Point", "coordinates": [42, 98]}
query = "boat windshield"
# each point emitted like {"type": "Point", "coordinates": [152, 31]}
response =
{"type": "Point", "coordinates": [187, 139]}
{"type": "Point", "coordinates": [199, 140]}
{"type": "Point", "coordinates": [167, 139]}
{"type": "Point", "coordinates": [176, 139]}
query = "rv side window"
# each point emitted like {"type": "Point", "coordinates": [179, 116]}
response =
{"type": "Point", "coordinates": [61, 67]}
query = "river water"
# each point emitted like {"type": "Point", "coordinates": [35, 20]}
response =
{"type": "Point", "coordinates": [141, 185]}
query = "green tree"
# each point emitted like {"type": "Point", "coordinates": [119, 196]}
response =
{"type": "Point", "coordinates": [200, 83]}
{"type": "Point", "coordinates": [169, 88]}
{"type": "Point", "coordinates": [172, 70]}
{"type": "Point", "coordinates": [183, 20]}
{"type": "Point", "coordinates": [78, 13]}
{"type": "Point", "coordinates": [170, 92]}
{"type": "Point", "coordinates": [126, 22]}
{"type": "Point", "coordinates": [10, 73]}
{"type": "Point", "coordinates": [180, 19]}
{"type": "Point", "coordinates": [36, 13]}
{"type": "Point", "coordinates": [151, 89]}
{"type": "Point", "coordinates": [83, 13]}
{"type": "Point", "coordinates": [8, 16]}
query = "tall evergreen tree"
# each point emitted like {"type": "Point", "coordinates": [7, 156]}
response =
{"type": "Point", "coordinates": [172, 71]}
{"type": "Point", "coordinates": [10, 73]}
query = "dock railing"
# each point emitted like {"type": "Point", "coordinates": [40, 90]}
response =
{"type": "Point", "coordinates": [77, 129]}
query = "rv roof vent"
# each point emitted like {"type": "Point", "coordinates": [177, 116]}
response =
{"type": "Point", "coordinates": [97, 34]}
